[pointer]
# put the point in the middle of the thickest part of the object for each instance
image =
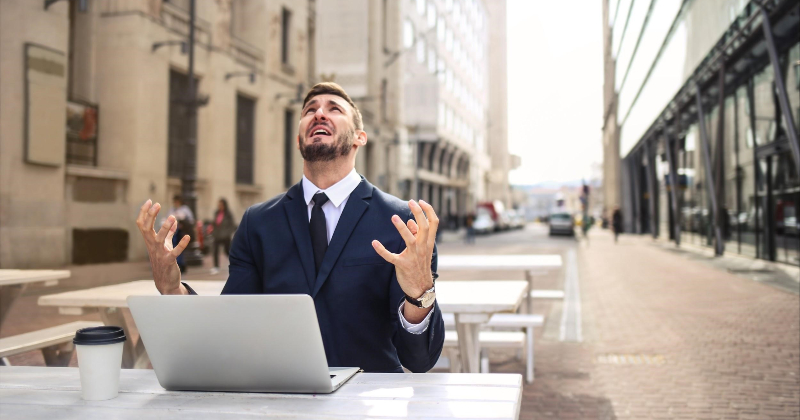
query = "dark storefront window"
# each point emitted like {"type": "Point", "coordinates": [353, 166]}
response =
{"type": "Point", "coordinates": [245, 134]}
{"type": "Point", "coordinates": [178, 122]}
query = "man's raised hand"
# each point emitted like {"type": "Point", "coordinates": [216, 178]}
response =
{"type": "Point", "coordinates": [162, 255]}
{"type": "Point", "coordinates": [413, 265]}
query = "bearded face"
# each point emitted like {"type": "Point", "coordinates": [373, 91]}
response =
{"type": "Point", "coordinates": [319, 151]}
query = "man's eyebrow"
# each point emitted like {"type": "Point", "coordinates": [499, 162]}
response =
{"type": "Point", "coordinates": [311, 102]}
{"type": "Point", "coordinates": [336, 103]}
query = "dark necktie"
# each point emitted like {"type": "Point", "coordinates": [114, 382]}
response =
{"type": "Point", "coordinates": [318, 228]}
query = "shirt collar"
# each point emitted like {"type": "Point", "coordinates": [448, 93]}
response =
{"type": "Point", "coordinates": [337, 192]}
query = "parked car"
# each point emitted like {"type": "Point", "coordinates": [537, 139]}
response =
{"type": "Point", "coordinates": [483, 222]}
{"type": "Point", "coordinates": [516, 218]}
{"type": "Point", "coordinates": [497, 211]}
{"type": "Point", "coordinates": [562, 223]}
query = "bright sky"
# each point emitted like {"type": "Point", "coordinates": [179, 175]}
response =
{"type": "Point", "coordinates": [555, 89]}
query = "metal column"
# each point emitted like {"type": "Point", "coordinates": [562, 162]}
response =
{"type": "Point", "coordinates": [673, 183]}
{"type": "Point", "coordinates": [651, 187]}
{"type": "Point", "coordinates": [719, 246]}
{"type": "Point", "coordinates": [634, 164]}
{"type": "Point", "coordinates": [783, 97]}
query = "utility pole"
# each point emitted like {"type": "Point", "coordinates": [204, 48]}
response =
{"type": "Point", "coordinates": [189, 153]}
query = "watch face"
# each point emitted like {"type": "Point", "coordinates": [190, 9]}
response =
{"type": "Point", "coordinates": [427, 299]}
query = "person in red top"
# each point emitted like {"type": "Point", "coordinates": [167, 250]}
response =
{"type": "Point", "coordinates": [224, 227]}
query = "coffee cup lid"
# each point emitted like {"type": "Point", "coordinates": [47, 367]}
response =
{"type": "Point", "coordinates": [95, 336]}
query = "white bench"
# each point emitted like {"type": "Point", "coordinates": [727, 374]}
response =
{"type": "Point", "coordinates": [547, 294]}
{"type": "Point", "coordinates": [500, 339]}
{"type": "Point", "coordinates": [54, 342]}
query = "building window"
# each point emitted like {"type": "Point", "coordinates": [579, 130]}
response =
{"type": "Point", "coordinates": [440, 30]}
{"type": "Point", "coordinates": [432, 60]}
{"type": "Point", "coordinates": [286, 20]}
{"type": "Point", "coordinates": [431, 15]}
{"type": "Point", "coordinates": [408, 34]}
{"type": "Point", "coordinates": [421, 50]}
{"type": "Point", "coordinates": [441, 70]}
{"type": "Point", "coordinates": [178, 130]}
{"type": "Point", "coordinates": [245, 136]}
{"type": "Point", "coordinates": [421, 7]}
{"type": "Point", "coordinates": [448, 4]}
{"type": "Point", "coordinates": [448, 39]}
{"type": "Point", "coordinates": [288, 146]}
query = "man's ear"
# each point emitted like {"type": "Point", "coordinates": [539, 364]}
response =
{"type": "Point", "coordinates": [361, 138]}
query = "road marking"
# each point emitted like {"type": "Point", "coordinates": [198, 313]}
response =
{"type": "Point", "coordinates": [571, 312]}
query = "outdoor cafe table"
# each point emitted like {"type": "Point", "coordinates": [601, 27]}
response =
{"type": "Point", "coordinates": [13, 282]}
{"type": "Point", "coordinates": [109, 302]}
{"type": "Point", "coordinates": [531, 264]}
{"type": "Point", "coordinates": [472, 302]}
{"type": "Point", "coordinates": [52, 392]}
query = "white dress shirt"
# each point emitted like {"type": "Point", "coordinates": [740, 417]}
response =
{"type": "Point", "coordinates": [338, 194]}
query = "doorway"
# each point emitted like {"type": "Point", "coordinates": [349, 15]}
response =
{"type": "Point", "coordinates": [777, 204]}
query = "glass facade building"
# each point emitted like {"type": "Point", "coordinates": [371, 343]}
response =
{"type": "Point", "coordinates": [704, 112]}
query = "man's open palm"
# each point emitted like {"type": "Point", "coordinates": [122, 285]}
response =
{"type": "Point", "coordinates": [166, 273]}
{"type": "Point", "coordinates": [413, 265]}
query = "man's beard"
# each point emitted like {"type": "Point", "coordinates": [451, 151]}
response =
{"type": "Point", "coordinates": [321, 152]}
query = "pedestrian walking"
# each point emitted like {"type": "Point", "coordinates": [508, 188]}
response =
{"type": "Point", "coordinates": [470, 239]}
{"type": "Point", "coordinates": [616, 223]}
{"type": "Point", "coordinates": [224, 227]}
{"type": "Point", "coordinates": [183, 214]}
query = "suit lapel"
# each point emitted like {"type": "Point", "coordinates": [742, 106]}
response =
{"type": "Point", "coordinates": [355, 207]}
{"type": "Point", "coordinates": [297, 213]}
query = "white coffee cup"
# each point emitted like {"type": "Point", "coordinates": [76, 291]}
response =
{"type": "Point", "coordinates": [99, 361]}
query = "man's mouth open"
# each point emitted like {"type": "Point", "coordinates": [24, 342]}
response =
{"type": "Point", "coordinates": [320, 132]}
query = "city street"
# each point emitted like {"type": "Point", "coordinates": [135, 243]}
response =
{"type": "Point", "coordinates": [662, 334]}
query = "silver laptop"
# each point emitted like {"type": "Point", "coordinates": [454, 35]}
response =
{"type": "Point", "coordinates": [252, 343]}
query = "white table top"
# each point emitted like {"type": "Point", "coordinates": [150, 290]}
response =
{"type": "Point", "coordinates": [14, 276]}
{"type": "Point", "coordinates": [50, 392]}
{"type": "Point", "coordinates": [499, 262]}
{"type": "Point", "coordinates": [115, 295]}
{"type": "Point", "coordinates": [482, 296]}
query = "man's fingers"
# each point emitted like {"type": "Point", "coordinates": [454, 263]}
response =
{"type": "Point", "coordinates": [142, 214]}
{"type": "Point", "coordinates": [433, 222]}
{"type": "Point", "coordinates": [412, 226]}
{"type": "Point", "coordinates": [165, 229]}
{"type": "Point", "coordinates": [150, 219]}
{"type": "Point", "coordinates": [383, 252]}
{"type": "Point", "coordinates": [422, 223]}
{"type": "Point", "coordinates": [181, 246]}
{"type": "Point", "coordinates": [408, 237]}
{"type": "Point", "coordinates": [170, 234]}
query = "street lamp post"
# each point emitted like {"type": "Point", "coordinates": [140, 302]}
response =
{"type": "Point", "coordinates": [193, 255]}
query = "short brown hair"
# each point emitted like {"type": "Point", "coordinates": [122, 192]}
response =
{"type": "Point", "coordinates": [330, 88]}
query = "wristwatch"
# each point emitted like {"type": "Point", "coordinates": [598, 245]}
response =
{"type": "Point", "coordinates": [427, 298]}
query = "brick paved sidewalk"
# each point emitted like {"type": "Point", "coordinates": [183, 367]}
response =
{"type": "Point", "coordinates": [667, 337]}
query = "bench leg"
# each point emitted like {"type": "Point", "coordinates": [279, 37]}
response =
{"type": "Point", "coordinates": [4, 361]}
{"type": "Point", "coordinates": [8, 294]}
{"type": "Point", "coordinates": [529, 359]}
{"type": "Point", "coordinates": [484, 361]}
{"type": "Point", "coordinates": [455, 360]}
{"type": "Point", "coordinates": [58, 355]}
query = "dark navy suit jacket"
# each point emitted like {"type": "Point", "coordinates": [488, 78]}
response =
{"type": "Point", "coordinates": [356, 292]}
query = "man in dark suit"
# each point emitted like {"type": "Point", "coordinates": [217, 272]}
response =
{"type": "Point", "coordinates": [367, 258]}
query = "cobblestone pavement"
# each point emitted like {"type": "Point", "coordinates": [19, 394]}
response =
{"type": "Point", "coordinates": [664, 336]}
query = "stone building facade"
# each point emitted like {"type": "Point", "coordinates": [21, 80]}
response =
{"type": "Point", "coordinates": [69, 193]}
{"type": "Point", "coordinates": [419, 70]}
